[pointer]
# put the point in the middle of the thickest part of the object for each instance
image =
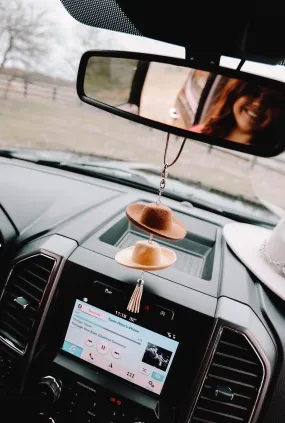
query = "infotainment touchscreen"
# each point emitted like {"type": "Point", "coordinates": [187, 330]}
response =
{"type": "Point", "coordinates": [125, 349]}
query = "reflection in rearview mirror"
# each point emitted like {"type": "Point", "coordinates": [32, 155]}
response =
{"type": "Point", "coordinates": [199, 101]}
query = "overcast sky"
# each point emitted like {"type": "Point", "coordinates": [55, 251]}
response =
{"type": "Point", "coordinates": [67, 30]}
{"type": "Point", "coordinates": [67, 33]}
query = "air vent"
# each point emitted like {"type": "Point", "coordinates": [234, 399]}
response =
{"type": "Point", "coordinates": [22, 298]}
{"type": "Point", "coordinates": [232, 384]}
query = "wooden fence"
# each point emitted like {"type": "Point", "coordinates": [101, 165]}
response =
{"type": "Point", "coordinates": [13, 86]}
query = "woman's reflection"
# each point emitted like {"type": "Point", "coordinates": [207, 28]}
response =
{"type": "Point", "coordinates": [242, 112]}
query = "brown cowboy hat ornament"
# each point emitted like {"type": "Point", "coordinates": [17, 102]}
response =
{"type": "Point", "coordinates": [157, 220]}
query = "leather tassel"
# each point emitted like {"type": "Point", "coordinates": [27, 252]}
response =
{"type": "Point", "coordinates": [135, 301]}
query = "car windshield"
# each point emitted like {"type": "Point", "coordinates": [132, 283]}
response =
{"type": "Point", "coordinates": [40, 48]}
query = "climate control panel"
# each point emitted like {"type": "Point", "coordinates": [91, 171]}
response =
{"type": "Point", "coordinates": [67, 396]}
{"type": "Point", "coordinates": [76, 401]}
{"type": "Point", "coordinates": [87, 404]}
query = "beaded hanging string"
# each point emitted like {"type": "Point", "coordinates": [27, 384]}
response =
{"type": "Point", "coordinates": [135, 300]}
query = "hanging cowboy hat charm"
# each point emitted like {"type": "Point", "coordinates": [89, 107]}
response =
{"type": "Point", "coordinates": [146, 256]}
{"type": "Point", "coordinates": [155, 219]}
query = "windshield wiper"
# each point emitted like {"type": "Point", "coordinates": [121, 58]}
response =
{"type": "Point", "coordinates": [109, 173]}
{"type": "Point", "coordinates": [101, 171]}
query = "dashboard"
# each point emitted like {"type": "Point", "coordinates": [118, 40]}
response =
{"type": "Point", "coordinates": [207, 345]}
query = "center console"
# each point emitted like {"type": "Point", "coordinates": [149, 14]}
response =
{"type": "Point", "coordinates": [113, 365]}
{"type": "Point", "coordinates": [68, 343]}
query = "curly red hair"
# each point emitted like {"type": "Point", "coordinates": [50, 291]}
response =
{"type": "Point", "coordinates": [220, 119]}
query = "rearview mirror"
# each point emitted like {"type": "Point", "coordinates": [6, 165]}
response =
{"type": "Point", "coordinates": [216, 105]}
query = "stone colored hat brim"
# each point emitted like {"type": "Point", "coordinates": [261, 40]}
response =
{"type": "Point", "coordinates": [124, 257]}
{"type": "Point", "coordinates": [176, 231]}
{"type": "Point", "coordinates": [245, 241]}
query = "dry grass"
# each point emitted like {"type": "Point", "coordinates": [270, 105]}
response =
{"type": "Point", "coordinates": [51, 125]}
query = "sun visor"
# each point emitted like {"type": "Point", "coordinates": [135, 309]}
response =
{"type": "Point", "coordinates": [204, 28]}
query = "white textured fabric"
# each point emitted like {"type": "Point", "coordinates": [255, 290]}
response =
{"type": "Point", "coordinates": [245, 241]}
{"type": "Point", "coordinates": [276, 243]}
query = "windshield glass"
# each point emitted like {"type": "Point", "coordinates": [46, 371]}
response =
{"type": "Point", "coordinates": [40, 48]}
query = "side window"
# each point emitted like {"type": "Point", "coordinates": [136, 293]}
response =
{"type": "Point", "coordinates": [188, 98]}
{"type": "Point", "coordinates": [162, 83]}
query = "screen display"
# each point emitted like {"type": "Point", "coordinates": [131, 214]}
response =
{"type": "Point", "coordinates": [125, 349]}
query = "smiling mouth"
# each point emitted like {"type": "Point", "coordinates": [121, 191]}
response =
{"type": "Point", "coordinates": [252, 114]}
{"type": "Point", "coordinates": [255, 115]}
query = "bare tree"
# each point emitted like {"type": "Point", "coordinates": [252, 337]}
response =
{"type": "Point", "coordinates": [24, 34]}
{"type": "Point", "coordinates": [86, 38]}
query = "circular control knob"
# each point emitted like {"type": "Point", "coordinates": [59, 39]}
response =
{"type": "Point", "coordinates": [49, 389]}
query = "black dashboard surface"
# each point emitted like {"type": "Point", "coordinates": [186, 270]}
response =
{"type": "Point", "coordinates": [39, 200]}
{"type": "Point", "coordinates": [36, 201]}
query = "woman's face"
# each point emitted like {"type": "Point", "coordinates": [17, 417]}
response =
{"type": "Point", "coordinates": [254, 113]}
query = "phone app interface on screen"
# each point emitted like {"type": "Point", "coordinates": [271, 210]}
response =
{"type": "Point", "coordinates": [125, 349]}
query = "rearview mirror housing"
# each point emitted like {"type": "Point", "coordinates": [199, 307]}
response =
{"type": "Point", "coordinates": [207, 103]}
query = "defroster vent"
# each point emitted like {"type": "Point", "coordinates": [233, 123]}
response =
{"type": "Point", "coordinates": [22, 298]}
{"type": "Point", "coordinates": [233, 382]}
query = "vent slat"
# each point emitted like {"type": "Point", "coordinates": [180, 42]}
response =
{"type": "Point", "coordinates": [242, 353]}
{"type": "Point", "coordinates": [232, 383]}
{"type": "Point", "coordinates": [228, 404]}
{"type": "Point", "coordinates": [8, 334]}
{"type": "Point", "coordinates": [38, 278]}
{"type": "Point", "coordinates": [230, 344]}
{"type": "Point", "coordinates": [238, 399]}
{"type": "Point", "coordinates": [234, 370]}
{"type": "Point", "coordinates": [26, 325]}
{"type": "Point", "coordinates": [232, 357]}
{"type": "Point", "coordinates": [44, 261]}
{"type": "Point", "coordinates": [30, 284]}
{"type": "Point", "coordinates": [236, 395]}
{"type": "Point", "coordinates": [12, 309]}
{"type": "Point", "coordinates": [228, 416]}
{"type": "Point", "coordinates": [38, 266]}
{"type": "Point", "coordinates": [28, 279]}
{"type": "Point", "coordinates": [14, 331]}
{"type": "Point", "coordinates": [228, 408]}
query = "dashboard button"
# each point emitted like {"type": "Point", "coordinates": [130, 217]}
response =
{"type": "Point", "coordinates": [157, 376]}
{"type": "Point", "coordinates": [145, 370]}
{"type": "Point", "coordinates": [116, 353]}
{"type": "Point", "coordinates": [102, 347]}
{"type": "Point", "coordinates": [89, 341]}
{"type": "Point", "coordinates": [108, 292]}
{"type": "Point", "coordinates": [162, 313]}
